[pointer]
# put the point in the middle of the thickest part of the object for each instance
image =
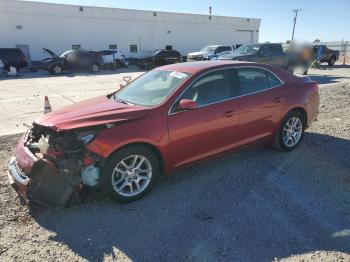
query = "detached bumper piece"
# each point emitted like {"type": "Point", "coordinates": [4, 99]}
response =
{"type": "Point", "coordinates": [52, 178]}
{"type": "Point", "coordinates": [46, 185]}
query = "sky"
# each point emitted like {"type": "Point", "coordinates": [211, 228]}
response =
{"type": "Point", "coordinates": [318, 19]}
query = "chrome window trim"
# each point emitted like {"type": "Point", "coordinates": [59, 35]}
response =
{"type": "Point", "coordinates": [231, 98]}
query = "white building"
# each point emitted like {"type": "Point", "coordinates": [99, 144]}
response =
{"type": "Point", "coordinates": [32, 25]}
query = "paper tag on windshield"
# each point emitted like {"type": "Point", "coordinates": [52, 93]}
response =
{"type": "Point", "coordinates": [178, 74]}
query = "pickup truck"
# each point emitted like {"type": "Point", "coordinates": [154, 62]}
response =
{"type": "Point", "coordinates": [326, 55]}
{"type": "Point", "coordinates": [267, 53]}
{"type": "Point", "coordinates": [209, 52]}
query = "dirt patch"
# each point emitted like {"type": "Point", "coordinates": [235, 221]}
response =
{"type": "Point", "coordinates": [257, 205]}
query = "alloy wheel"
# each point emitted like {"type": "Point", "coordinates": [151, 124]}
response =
{"type": "Point", "coordinates": [292, 131]}
{"type": "Point", "coordinates": [95, 68]}
{"type": "Point", "coordinates": [57, 69]}
{"type": "Point", "coordinates": [132, 175]}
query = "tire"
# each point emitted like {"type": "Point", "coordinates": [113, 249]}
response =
{"type": "Point", "coordinates": [56, 69]}
{"type": "Point", "coordinates": [118, 63]}
{"type": "Point", "coordinates": [282, 142]}
{"type": "Point", "coordinates": [120, 185]}
{"type": "Point", "coordinates": [95, 68]}
{"type": "Point", "coordinates": [332, 61]}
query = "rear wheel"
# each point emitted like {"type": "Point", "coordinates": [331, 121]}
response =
{"type": "Point", "coordinates": [291, 132]}
{"type": "Point", "coordinates": [129, 174]}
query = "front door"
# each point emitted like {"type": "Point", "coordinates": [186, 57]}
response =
{"type": "Point", "coordinates": [210, 128]}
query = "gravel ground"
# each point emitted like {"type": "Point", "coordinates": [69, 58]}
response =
{"type": "Point", "coordinates": [256, 205]}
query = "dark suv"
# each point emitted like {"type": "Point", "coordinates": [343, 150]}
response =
{"type": "Point", "coordinates": [13, 57]}
{"type": "Point", "coordinates": [160, 57]}
{"type": "Point", "coordinates": [72, 60]}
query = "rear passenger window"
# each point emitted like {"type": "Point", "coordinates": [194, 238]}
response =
{"type": "Point", "coordinates": [254, 80]}
{"type": "Point", "coordinates": [210, 88]}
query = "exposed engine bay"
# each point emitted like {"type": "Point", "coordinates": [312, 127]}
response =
{"type": "Point", "coordinates": [62, 166]}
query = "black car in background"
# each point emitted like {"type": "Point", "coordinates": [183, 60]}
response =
{"type": "Point", "coordinates": [160, 57]}
{"type": "Point", "coordinates": [324, 54]}
{"type": "Point", "coordinates": [72, 60]}
{"type": "Point", "coordinates": [165, 57]}
{"type": "Point", "coordinates": [13, 57]}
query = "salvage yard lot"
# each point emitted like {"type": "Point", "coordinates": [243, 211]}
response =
{"type": "Point", "coordinates": [255, 205]}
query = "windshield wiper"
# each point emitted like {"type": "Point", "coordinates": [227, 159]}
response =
{"type": "Point", "coordinates": [119, 100]}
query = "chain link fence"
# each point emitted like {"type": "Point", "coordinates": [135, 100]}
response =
{"type": "Point", "coordinates": [343, 47]}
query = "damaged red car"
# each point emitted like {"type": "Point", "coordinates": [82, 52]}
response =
{"type": "Point", "coordinates": [166, 119]}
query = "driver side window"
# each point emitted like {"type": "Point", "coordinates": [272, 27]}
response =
{"type": "Point", "coordinates": [210, 88]}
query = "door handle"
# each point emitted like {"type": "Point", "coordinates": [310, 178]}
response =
{"type": "Point", "coordinates": [277, 100]}
{"type": "Point", "coordinates": [228, 113]}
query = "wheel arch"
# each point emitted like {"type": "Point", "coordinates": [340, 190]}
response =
{"type": "Point", "coordinates": [302, 111]}
{"type": "Point", "coordinates": [150, 146]}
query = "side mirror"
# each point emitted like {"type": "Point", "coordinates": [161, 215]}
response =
{"type": "Point", "coordinates": [187, 104]}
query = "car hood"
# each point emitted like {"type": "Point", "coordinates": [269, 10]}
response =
{"type": "Point", "coordinates": [51, 53]}
{"type": "Point", "coordinates": [92, 112]}
{"type": "Point", "coordinates": [233, 56]}
{"type": "Point", "coordinates": [198, 53]}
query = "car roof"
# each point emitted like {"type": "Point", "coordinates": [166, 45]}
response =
{"type": "Point", "coordinates": [195, 67]}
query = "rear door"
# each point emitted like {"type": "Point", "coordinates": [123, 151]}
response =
{"type": "Point", "coordinates": [261, 102]}
{"type": "Point", "coordinates": [210, 128]}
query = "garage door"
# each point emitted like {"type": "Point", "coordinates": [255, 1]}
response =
{"type": "Point", "coordinates": [245, 36]}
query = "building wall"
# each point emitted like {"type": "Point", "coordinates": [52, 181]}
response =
{"type": "Point", "coordinates": [58, 27]}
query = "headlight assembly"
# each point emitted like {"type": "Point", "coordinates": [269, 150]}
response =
{"type": "Point", "coordinates": [87, 137]}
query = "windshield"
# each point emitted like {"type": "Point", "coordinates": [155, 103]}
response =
{"type": "Point", "coordinates": [151, 88]}
{"type": "Point", "coordinates": [208, 49]}
{"type": "Point", "coordinates": [247, 49]}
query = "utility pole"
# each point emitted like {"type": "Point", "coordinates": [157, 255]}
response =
{"type": "Point", "coordinates": [295, 20]}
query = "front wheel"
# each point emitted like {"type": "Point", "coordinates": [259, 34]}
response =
{"type": "Point", "coordinates": [56, 69]}
{"type": "Point", "coordinates": [129, 174]}
{"type": "Point", "coordinates": [291, 132]}
{"type": "Point", "coordinates": [95, 68]}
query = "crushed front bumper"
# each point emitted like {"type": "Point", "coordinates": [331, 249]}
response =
{"type": "Point", "coordinates": [38, 180]}
{"type": "Point", "coordinates": [19, 166]}
{"type": "Point", "coordinates": [18, 179]}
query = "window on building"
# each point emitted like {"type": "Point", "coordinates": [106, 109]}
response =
{"type": "Point", "coordinates": [114, 47]}
{"type": "Point", "coordinates": [133, 48]}
{"type": "Point", "coordinates": [74, 47]}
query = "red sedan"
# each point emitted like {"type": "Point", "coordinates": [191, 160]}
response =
{"type": "Point", "coordinates": [164, 120]}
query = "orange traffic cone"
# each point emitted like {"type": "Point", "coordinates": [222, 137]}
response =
{"type": "Point", "coordinates": [47, 106]}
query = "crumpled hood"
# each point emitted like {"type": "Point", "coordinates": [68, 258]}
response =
{"type": "Point", "coordinates": [96, 111]}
